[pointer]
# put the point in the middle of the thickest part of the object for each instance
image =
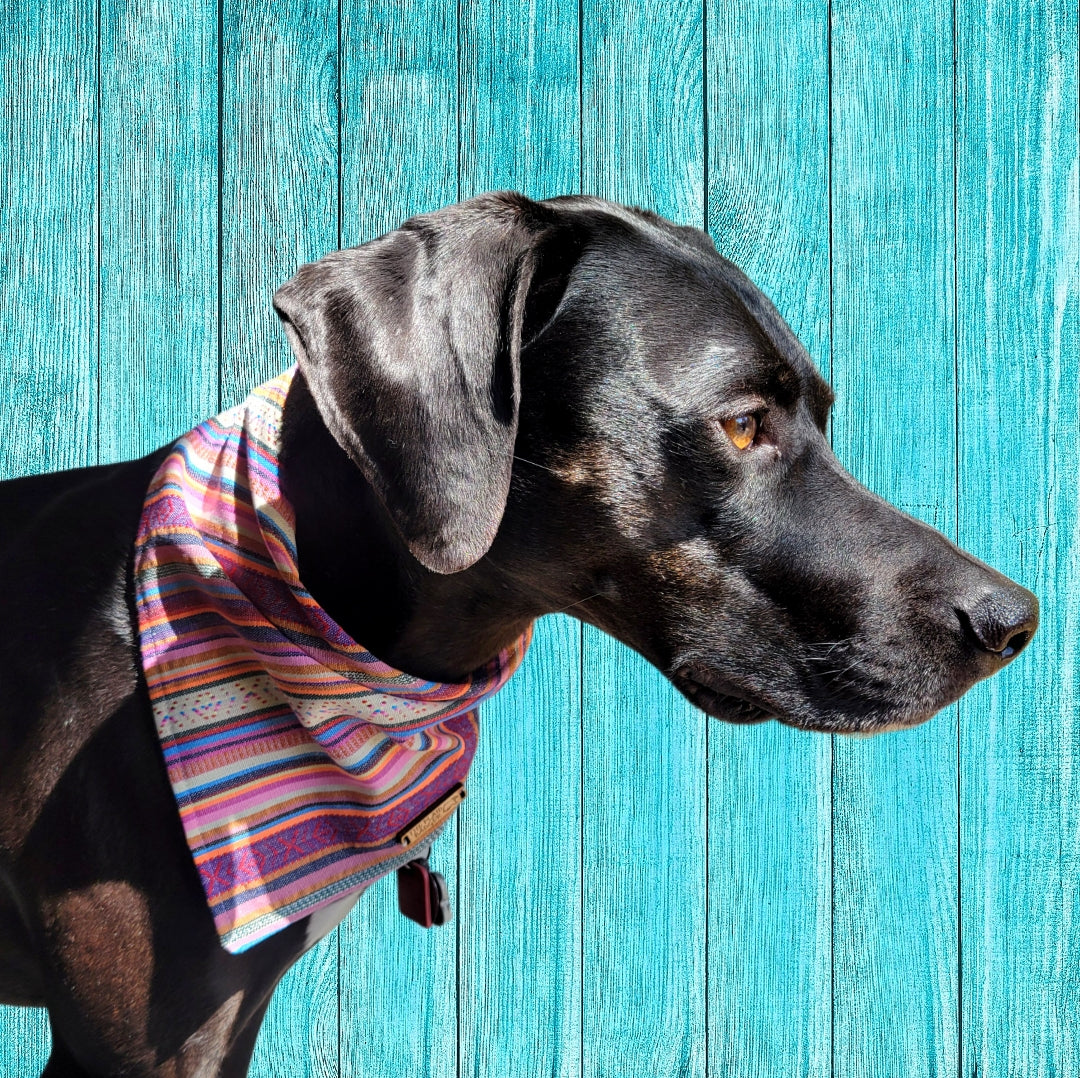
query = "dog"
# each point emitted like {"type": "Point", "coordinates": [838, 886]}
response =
{"type": "Point", "coordinates": [502, 409]}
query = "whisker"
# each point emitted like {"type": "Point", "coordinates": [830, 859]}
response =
{"type": "Point", "coordinates": [839, 674]}
{"type": "Point", "coordinates": [830, 644]}
{"type": "Point", "coordinates": [544, 467]}
{"type": "Point", "coordinates": [578, 603]}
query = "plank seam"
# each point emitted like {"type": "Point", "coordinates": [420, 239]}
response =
{"type": "Point", "coordinates": [97, 232]}
{"type": "Point", "coordinates": [338, 95]}
{"type": "Point", "coordinates": [582, 740]}
{"type": "Point", "coordinates": [581, 129]}
{"type": "Point", "coordinates": [832, 737]}
{"type": "Point", "coordinates": [581, 840]}
{"type": "Point", "coordinates": [220, 182]}
{"type": "Point", "coordinates": [956, 477]}
{"type": "Point", "coordinates": [339, 85]}
{"type": "Point", "coordinates": [705, 225]}
{"type": "Point", "coordinates": [458, 828]}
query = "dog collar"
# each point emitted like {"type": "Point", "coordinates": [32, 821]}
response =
{"type": "Point", "coordinates": [299, 761]}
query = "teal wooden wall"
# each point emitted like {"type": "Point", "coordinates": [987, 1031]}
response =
{"type": "Point", "coordinates": [640, 891]}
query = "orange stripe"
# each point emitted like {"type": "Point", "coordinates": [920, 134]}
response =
{"type": "Point", "coordinates": [248, 789]}
{"type": "Point", "coordinates": [248, 840]}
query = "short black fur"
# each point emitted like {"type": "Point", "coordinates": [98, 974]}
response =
{"type": "Point", "coordinates": [503, 409]}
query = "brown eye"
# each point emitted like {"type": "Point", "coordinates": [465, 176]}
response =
{"type": "Point", "coordinates": [741, 430]}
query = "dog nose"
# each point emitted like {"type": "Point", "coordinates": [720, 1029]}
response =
{"type": "Point", "coordinates": [1003, 621]}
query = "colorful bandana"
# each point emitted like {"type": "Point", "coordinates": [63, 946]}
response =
{"type": "Point", "coordinates": [295, 755]}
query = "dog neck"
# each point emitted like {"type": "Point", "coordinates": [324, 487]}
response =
{"type": "Point", "coordinates": [355, 564]}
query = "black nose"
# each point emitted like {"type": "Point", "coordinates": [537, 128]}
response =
{"type": "Point", "coordinates": [1003, 621]}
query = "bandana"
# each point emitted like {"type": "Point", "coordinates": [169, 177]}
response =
{"type": "Point", "coordinates": [295, 755]}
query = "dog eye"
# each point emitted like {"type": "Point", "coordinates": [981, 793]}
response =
{"type": "Point", "coordinates": [741, 430]}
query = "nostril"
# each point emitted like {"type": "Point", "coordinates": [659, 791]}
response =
{"type": "Point", "coordinates": [1002, 621]}
{"type": "Point", "coordinates": [1016, 643]}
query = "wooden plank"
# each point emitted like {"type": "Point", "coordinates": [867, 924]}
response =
{"type": "Point", "coordinates": [159, 236]}
{"type": "Point", "coordinates": [399, 142]}
{"type": "Point", "coordinates": [279, 143]}
{"type": "Point", "coordinates": [280, 171]}
{"type": "Point", "coordinates": [520, 889]}
{"type": "Point", "coordinates": [520, 127]}
{"type": "Point", "coordinates": [48, 291]}
{"type": "Point", "coordinates": [25, 1041]}
{"type": "Point", "coordinates": [399, 134]}
{"type": "Point", "coordinates": [48, 223]}
{"type": "Point", "coordinates": [1018, 279]}
{"type": "Point", "coordinates": [895, 818]}
{"type": "Point", "coordinates": [520, 894]}
{"type": "Point", "coordinates": [770, 826]}
{"type": "Point", "coordinates": [644, 781]}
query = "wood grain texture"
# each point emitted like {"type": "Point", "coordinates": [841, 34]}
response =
{"type": "Point", "coordinates": [668, 908]}
{"type": "Point", "coordinates": [399, 134]}
{"type": "Point", "coordinates": [895, 817]}
{"type": "Point", "coordinates": [520, 913]}
{"type": "Point", "coordinates": [399, 144]}
{"type": "Point", "coordinates": [25, 1041]}
{"type": "Point", "coordinates": [519, 99]}
{"type": "Point", "coordinates": [644, 870]}
{"type": "Point", "coordinates": [279, 156]}
{"type": "Point", "coordinates": [48, 229]}
{"type": "Point", "coordinates": [644, 777]}
{"type": "Point", "coordinates": [279, 142]}
{"type": "Point", "coordinates": [159, 223]}
{"type": "Point", "coordinates": [1018, 281]}
{"type": "Point", "coordinates": [770, 870]}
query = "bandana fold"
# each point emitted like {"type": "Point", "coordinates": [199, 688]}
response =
{"type": "Point", "coordinates": [295, 755]}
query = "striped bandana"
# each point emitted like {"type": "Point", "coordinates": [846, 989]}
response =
{"type": "Point", "coordinates": [296, 756]}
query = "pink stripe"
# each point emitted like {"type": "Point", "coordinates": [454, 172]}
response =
{"type": "Point", "coordinates": [360, 701]}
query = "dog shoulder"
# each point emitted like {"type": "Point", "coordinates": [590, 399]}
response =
{"type": "Point", "coordinates": [69, 636]}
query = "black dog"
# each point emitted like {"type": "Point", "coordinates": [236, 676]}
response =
{"type": "Point", "coordinates": [503, 409]}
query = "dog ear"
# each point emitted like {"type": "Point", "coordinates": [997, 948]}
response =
{"type": "Point", "coordinates": [411, 346]}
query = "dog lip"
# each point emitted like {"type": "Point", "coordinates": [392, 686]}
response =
{"type": "Point", "coordinates": [717, 697]}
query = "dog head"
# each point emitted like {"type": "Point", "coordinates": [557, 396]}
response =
{"type": "Point", "coordinates": [589, 403]}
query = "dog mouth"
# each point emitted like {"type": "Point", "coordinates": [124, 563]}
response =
{"type": "Point", "coordinates": [717, 697]}
{"type": "Point", "coordinates": [862, 710]}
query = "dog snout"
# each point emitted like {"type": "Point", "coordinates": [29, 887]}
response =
{"type": "Point", "coordinates": [1001, 621]}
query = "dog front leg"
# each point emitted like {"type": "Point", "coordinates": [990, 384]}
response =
{"type": "Point", "coordinates": [133, 993]}
{"type": "Point", "coordinates": [206, 1055]}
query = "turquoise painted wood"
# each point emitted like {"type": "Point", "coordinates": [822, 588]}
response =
{"type": "Point", "coordinates": [769, 787]}
{"type": "Point", "coordinates": [1017, 280]}
{"type": "Point", "coordinates": [398, 984]}
{"type": "Point", "coordinates": [157, 189]}
{"type": "Point", "coordinates": [895, 936]}
{"type": "Point", "coordinates": [644, 849]}
{"type": "Point", "coordinates": [279, 208]}
{"type": "Point", "coordinates": [520, 915]}
{"type": "Point", "coordinates": [667, 897]}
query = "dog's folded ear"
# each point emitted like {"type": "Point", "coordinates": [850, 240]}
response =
{"type": "Point", "coordinates": [411, 345]}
